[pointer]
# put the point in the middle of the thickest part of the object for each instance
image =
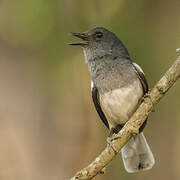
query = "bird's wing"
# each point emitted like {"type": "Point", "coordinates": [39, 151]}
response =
{"type": "Point", "coordinates": [95, 97]}
{"type": "Point", "coordinates": [141, 77]}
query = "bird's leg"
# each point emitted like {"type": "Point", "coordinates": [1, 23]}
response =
{"type": "Point", "coordinates": [111, 137]}
{"type": "Point", "coordinates": [113, 134]}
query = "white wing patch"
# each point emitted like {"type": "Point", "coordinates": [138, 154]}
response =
{"type": "Point", "coordinates": [138, 67]}
{"type": "Point", "coordinates": [85, 55]}
{"type": "Point", "coordinates": [92, 85]}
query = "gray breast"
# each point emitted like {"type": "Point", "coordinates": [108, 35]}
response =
{"type": "Point", "coordinates": [119, 104]}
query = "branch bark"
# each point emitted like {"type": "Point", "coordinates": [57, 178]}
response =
{"type": "Point", "coordinates": [132, 126]}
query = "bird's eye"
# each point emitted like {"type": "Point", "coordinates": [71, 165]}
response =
{"type": "Point", "coordinates": [99, 35]}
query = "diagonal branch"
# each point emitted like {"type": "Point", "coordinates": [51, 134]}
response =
{"type": "Point", "coordinates": [133, 125]}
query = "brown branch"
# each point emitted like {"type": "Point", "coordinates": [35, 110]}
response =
{"type": "Point", "coordinates": [132, 126]}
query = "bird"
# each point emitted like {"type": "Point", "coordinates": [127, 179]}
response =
{"type": "Point", "coordinates": [118, 85]}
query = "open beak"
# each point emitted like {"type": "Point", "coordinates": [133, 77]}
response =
{"type": "Point", "coordinates": [82, 36]}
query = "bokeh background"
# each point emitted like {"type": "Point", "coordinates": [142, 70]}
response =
{"type": "Point", "coordinates": [49, 128]}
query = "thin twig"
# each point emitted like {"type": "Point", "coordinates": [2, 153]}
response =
{"type": "Point", "coordinates": [133, 125]}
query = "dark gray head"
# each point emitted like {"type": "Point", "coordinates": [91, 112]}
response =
{"type": "Point", "coordinates": [99, 42]}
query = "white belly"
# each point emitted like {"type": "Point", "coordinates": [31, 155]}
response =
{"type": "Point", "coordinates": [119, 104]}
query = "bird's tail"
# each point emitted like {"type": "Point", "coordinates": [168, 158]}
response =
{"type": "Point", "coordinates": [137, 155]}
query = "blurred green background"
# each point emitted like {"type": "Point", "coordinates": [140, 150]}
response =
{"type": "Point", "coordinates": [49, 128]}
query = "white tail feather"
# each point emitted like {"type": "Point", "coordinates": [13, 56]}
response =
{"type": "Point", "coordinates": [137, 155]}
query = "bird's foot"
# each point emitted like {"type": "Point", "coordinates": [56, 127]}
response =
{"type": "Point", "coordinates": [147, 98]}
{"type": "Point", "coordinates": [110, 144]}
{"type": "Point", "coordinates": [113, 135]}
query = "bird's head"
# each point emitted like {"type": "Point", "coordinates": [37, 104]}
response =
{"type": "Point", "coordinates": [99, 42]}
